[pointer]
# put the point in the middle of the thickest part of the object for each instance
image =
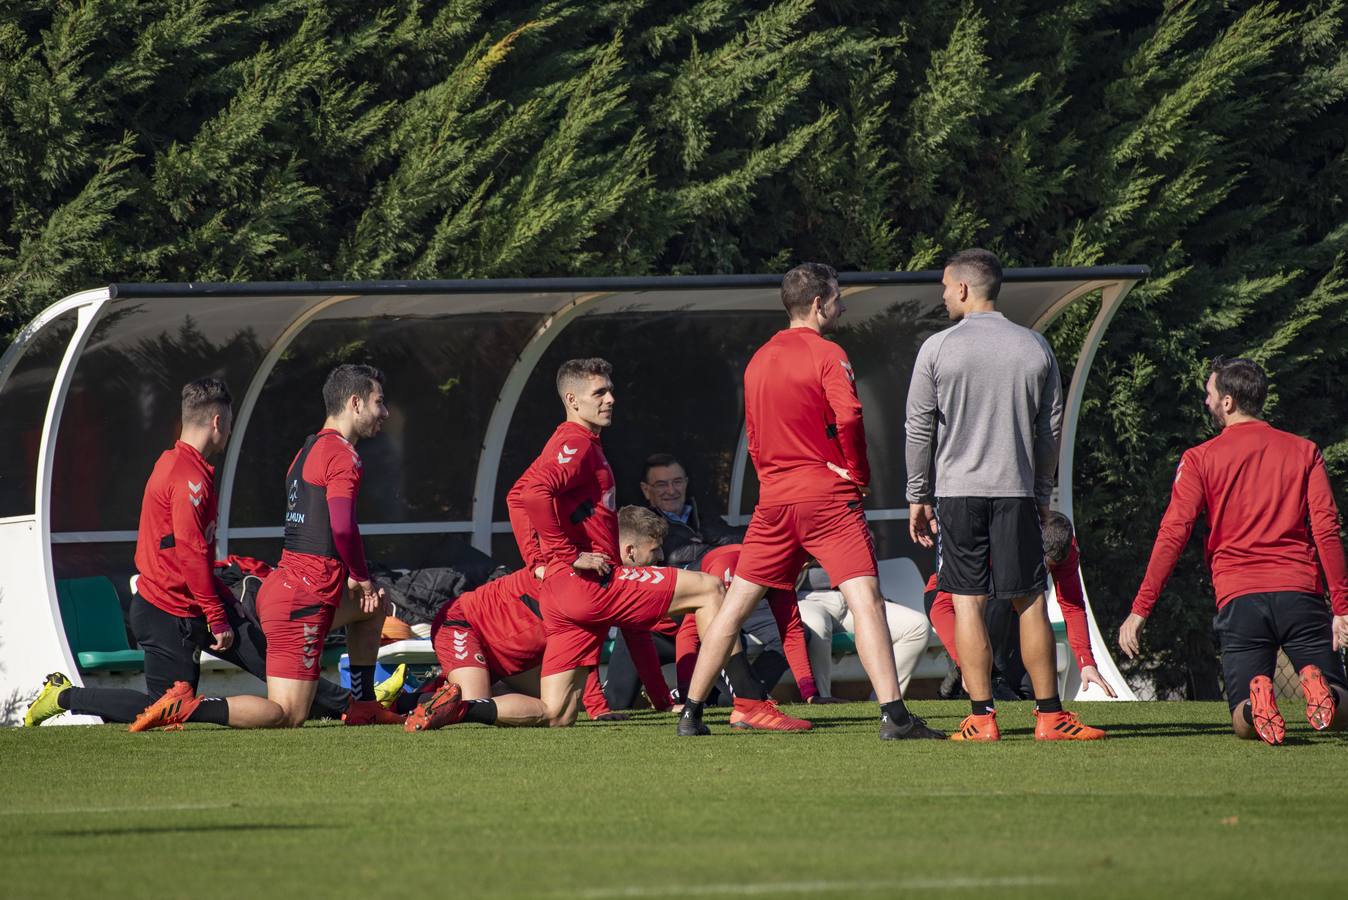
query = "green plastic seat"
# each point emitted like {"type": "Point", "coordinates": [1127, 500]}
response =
{"type": "Point", "coordinates": [843, 644]}
{"type": "Point", "coordinates": [92, 616]}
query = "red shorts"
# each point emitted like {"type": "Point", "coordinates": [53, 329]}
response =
{"type": "Point", "coordinates": [504, 644]}
{"type": "Point", "coordinates": [781, 538]}
{"type": "Point", "coordinates": [578, 611]}
{"type": "Point", "coordinates": [296, 622]}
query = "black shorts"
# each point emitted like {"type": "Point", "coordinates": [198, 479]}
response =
{"type": "Point", "coordinates": [1252, 627]}
{"type": "Point", "coordinates": [172, 645]}
{"type": "Point", "coordinates": [990, 546]}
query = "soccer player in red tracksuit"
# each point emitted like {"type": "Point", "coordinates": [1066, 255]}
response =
{"type": "Point", "coordinates": [496, 633]}
{"type": "Point", "coordinates": [1273, 542]}
{"type": "Point", "coordinates": [322, 581]}
{"type": "Point", "coordinates": [177, 610]}
{"type": "Point", "coordinates": [808, 445]}
{"type": "Point", "coordinates": [563, 515]}
{"type": "Point", "coordinates": [1066, 576]}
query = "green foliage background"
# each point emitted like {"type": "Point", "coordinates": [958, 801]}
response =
{"type": "Point", "coordinates": [175, 140]}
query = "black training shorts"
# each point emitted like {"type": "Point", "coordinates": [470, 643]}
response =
{"type": "Point", "coordinates": [1252, 627]}
{"type": "Point", "coordinates": [990, 546]}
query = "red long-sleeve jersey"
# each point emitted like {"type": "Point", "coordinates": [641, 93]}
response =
{"type": "Point", "coordinates": [1066, 575]}
{"type": "Point", "coordinates": [1272, 521]}
{"type": "Point", "coordinates": [801, 412]}
{"type": "Point", "coordinates": [175, 549]}
{"type": "Point", "coordinates": [563, 505]}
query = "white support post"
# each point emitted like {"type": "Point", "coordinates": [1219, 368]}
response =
{"type": "Point", "coordinates": [493, 440]}
{"type": "Point", "coordinates": [245, 412]}
{"type": "Point", "coordinates": [1110, 302]}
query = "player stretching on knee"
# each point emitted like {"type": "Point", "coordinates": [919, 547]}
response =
{"type": "Point", "coordinates": [178, 608]}
{"type": "Point", "coordinates": [322, 581]}
{"type": "Point", "coordinates": [806, 439]}
{"type": "Point", "coordinates": [1273, 528]}
{"type": "Point", "coordinates": [495, 633]}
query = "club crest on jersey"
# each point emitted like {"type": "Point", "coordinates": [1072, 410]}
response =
{"type": "Point", "coordinates": [566, 455]}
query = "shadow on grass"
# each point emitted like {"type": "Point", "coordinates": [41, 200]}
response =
{"type": "Point", "coordinates": [182, 829]}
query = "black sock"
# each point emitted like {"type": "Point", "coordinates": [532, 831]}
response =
{"type": "Point", "coordinates": [692, 710]}
{"type": "Point", "coordinates": [1247, 714]}
{"type": "Point", "coordinates": [896, 711]}
{"type": "Point", "coordinates": [1051, 705]}
{"type": "Point", "coordinates": [483, 711]}
{"type": "Point", "coordinates": [981, 707]}
{"type": "Point", "coordinates": [362, 682]}
{"type": "Point", "coordinates": [109, 704]}
{"type": "Point", "coordinates": [406, 702]}
{"type": "Point", "coordinates": [212, 710]}
{"type": "Point", "coordinates": [742, 680]}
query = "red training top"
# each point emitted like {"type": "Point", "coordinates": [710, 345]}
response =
{"type": "Point", "coordinates": [801, 411]}
{"type": "Point", "coordinates": [333, 465]}
{"type": "Point", "coordinates": [174, 552]}
{"type": "Point", "coordinates": [1270, 509]}
{"type": "Point", "coordinates": [563, 504]}
{"type": "Point", "coordinates": [1071, 599]}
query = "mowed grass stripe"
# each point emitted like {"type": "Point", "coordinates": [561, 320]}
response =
{"type": "Point", "coordinates": [1171, 802]}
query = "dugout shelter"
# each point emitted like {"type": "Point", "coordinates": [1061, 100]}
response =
{"type": "Point", "coordinates": [89, 394]}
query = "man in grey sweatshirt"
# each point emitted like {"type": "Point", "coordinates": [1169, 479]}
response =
{"type": "Point", "coordinates": [986, 402]}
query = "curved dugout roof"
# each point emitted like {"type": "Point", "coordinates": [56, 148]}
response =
{"type": "Point", "coordinates": [89, 393]}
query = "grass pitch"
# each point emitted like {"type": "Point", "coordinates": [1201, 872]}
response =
{"type": "Point", "coordinates": [1170, 804]}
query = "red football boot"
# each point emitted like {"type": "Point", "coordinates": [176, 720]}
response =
{"type": "Point", "coordinates": [1320, 703]}
{"type": "Point", "coordinates": [763, 715]}
{"type": "Point", "coordinates": [1268, 722]}
{"type": "Point", "coordinates": [170, 711]}
{"type": "Point", "coordinates": [446, 707]}
{"type": "Point", "coordinates": [370, 712]}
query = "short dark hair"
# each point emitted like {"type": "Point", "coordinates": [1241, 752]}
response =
{"type": "Point", "coordinates": [574, 370]}
{"type": "Point", "coordinates": [349, 380]}
{"type": "Point", "coordinates": [1057, 530]}
{"type": "Point", "coordinates": [1244, 381]}
{"type": "Point", "coordinates": [805, 282]}
{"type": "Point", "coordinates": [203, 399]}
{"type": "Point", "coordinates": [642, 522]}
{"type": "Point", "coordinates": [982, 269]}
{"type": "Point", "coordinates": [659, 461]}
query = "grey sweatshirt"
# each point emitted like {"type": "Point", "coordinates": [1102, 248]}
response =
{"type": "Point", "coordinates": [986, 395]}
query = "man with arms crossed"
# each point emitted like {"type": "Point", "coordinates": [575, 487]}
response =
{"type": "Point", "coordinates": [322, 581]}
{"type": "Point", "coordinates": [177, 610]}
{"type": "Point", "coordinates": [1271, 512]}
{"type": "Point", "coordinates": [563, 514]}
{"type": "Point", "coordinates": [806, 439]}
{"type": "Point", "coordinates": [995, 390]}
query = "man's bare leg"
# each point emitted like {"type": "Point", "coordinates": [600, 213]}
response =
{"type": "Point", "coordinates": [1037, 647]}
{"type": "Point", "coordinates": [971, 641]}
{"type": "Point", "coordinates": [874, 646]}
{"type": "Point", "coordinates": [247, 711]}
{"type": "Point", "coordinates": [293, 696]}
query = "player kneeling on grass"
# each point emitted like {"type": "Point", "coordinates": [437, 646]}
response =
{"type": "Point", "coordinates": [1271, 515]}
{"type": "Point", "coordinates": [322, 581]}
{"type": "Point", "coordinates": [496, 633]}
{"type": "Point", "coordinates": [177, 610]}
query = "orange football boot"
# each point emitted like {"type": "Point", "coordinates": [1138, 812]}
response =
{"type": "Point", "coordinates": [1268, 722]}
{"type": "Point", "coordinates": [170, 711]}
{"type": "Point", "coordinates": [1320, 703]}
{"type": "Point", "coordinates": [444, 708]}
{"type": "Point", "coordinates": [370, 712]}
{"type": "Point", "coordinates": [1063, 726]}
{"type": "Point", "coordinates": [978, 728]}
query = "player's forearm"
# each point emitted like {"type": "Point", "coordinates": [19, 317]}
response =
{"type": "Point", "coordinates": [596, 704]}
{"type": "Point", "coordinates": [1164, 554]}
{"type": "Point", "coordinates": [646, 660]}
{"type": "Point", "coordinates": [346, 537]}
{"type": "Point", "coordinates": [918, 454]}
{"type": "Point", "coordinates": [852, 440]}
{"type": "Point", "coordinates": [201, 583]}
{"type": "Point", "coordinates": [1324, 521]}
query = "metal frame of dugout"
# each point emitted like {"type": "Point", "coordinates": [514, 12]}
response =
{"type": "Point", "coordinates": [89, 394]}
